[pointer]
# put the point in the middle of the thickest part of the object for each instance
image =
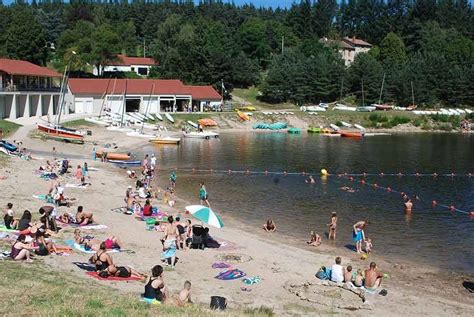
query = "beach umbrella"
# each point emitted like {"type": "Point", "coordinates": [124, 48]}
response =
{"type": "Point", "coordinates": [206, 215]}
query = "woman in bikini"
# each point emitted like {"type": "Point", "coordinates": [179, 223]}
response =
{"type": "Point", "coordinates": [155, 286]}
{"type": "Point", "coordinates": [332, 226]}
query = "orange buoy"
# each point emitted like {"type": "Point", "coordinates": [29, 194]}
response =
{"type": "Point", "coordinates": [389, 189]}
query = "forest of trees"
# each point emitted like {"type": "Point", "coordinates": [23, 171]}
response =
{"type": "Point", "coordinates": [427, 43]}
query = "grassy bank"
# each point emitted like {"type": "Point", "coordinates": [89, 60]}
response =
{"type": "Point", "coordinates": [250, 95]}
{"type": "Point", "coordinates": [37, 290]}
{"type": "Point", "coordinates": [78, 123]}
{"type": "Point", "coordinates": [8, 127]}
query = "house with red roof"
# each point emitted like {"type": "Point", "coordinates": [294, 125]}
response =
{"type": "Point", "coordinates": [139, 95]}
{"type": "Point", "coordinates": [139, 65]}
{"type": "Point", "coordinates": [27, 90]}
{"type": "Point", "coordinates": [348, 47]}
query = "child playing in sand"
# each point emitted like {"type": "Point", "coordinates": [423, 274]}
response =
{"type": "Point", "coordinates": [315, 239]}
{"type": "Point", "coordinates": [185, 294]}
{"type": "Point", "coordinates": [368, 246]}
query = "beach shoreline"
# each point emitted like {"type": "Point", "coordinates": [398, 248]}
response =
{"type": "Point", "coordinates": [274, 256]}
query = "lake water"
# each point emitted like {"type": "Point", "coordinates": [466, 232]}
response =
{"type": "Point", "coordinates": [431, 235]}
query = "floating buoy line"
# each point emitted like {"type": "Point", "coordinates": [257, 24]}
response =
{"type": "Point", "coordinates": [348, 176]}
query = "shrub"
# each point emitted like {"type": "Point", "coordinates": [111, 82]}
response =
{"type": "Point", "coordinates": [418, 122]}
{"type": "Point", "coordinates": [399, 120]}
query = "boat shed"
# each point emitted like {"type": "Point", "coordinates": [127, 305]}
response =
{"type": "Point", "coordinates": [139, 95]}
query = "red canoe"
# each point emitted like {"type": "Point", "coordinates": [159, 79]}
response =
{"type": "Point", "coordinates": [351, 134]}
{"type": "Point", "coordinates": [59, 132]}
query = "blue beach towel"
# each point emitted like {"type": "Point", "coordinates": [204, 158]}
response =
{"type": "Point", "coordinates": [230, 275]}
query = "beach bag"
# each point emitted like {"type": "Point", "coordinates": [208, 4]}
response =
{"type": "Point", "coordinates": [323, 273]}
{"type": "Point", "coordinates": [218, 302]}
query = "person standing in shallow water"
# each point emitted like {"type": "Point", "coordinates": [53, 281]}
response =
{"type": "Point", "coordinates": [203, 195]}
{"type": "Point", "coordinates": [359, 234]}
{"type": "Point", "coordinates": [332, 226]}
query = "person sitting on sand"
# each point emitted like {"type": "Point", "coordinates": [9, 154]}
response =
{"type": "Point", "coordinates": [332, 226]}
{"type": "Point", "coordinates": [168, 197]}
{"type": "Point", "coordinates": [45, 247]}
{"type": "Point", "coordinates": [348, 274]}
{"type": "Point", "coordinates": [101, 259]}
{"type": "Point", "coordinates": [84, 218]}
{"type": "Point", "coordinates": [154, 286]}
{"type": "Point", "coordinates": [132, 174]}
{"type": "Point", "coordinates": [359, 278]}
{"type": "Point", "coordinates": [373, 277]}
{"type": "Point", "coordinates": [368, 246]}
{"type": "Point", "coordinates": [270, 226]}
{"type": "Point", "coordinates": [184, 296]}
{"type": "Point", "coordinates": [337, 271]}
{"type": "Point", "coordinates": [147, 208]}
{"type": "Point", "coordinates": [408, 205]}
{"type": "Point", "coordinates": [315, 239]}
{"type": "Point", "coordinates": [21, 250]}
{"type": "Point", "coordinates": [25, 221]}
{"type": "Point", "coordinates": [9, 217]}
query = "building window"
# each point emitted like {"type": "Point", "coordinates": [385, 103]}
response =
{"type": "Point", "coordinates": [133, 69]}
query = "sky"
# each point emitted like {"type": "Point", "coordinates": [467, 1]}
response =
{"type": "Point", "coordinates": [257, 3]}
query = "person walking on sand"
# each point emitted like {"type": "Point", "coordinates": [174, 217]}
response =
{"type": "Point", "coordinates": [358, 234]}
{"type": "Point", "coordinates": [203, 195]}
{"type": "Point", "coordinates": [332, 226]}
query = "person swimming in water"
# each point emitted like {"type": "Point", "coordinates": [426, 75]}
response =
{"type": "Point", "coordinates": [310, 180]}
{"type": "Point", "coordinates": [408, 206]}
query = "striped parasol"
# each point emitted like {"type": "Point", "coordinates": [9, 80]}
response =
{"type": "Point", "coordinates": [206, 215]}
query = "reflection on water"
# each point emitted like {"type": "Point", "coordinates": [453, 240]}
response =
{"type": "Point", "coordinates": [431, 235]}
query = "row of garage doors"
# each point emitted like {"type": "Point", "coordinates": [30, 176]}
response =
{"type": "Point", "coordinates": [115, 104]}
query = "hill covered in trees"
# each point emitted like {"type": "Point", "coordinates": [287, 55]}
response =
{"type": "Point", "coordinates": [425, 42]}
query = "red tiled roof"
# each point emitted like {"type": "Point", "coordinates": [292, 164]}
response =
{"type": "Point", "coordinates": [124, 60]}
{"type": "Point", "coordinates": [18, 67]}
{"type": "Point", "coordinates": [93, 86]}
{"type": "Point", "coordinates": [357, 42]}
{"type": "Point", "coordinates": [203, 93]}
{"type": "Point", "coordinates": [97, 86]}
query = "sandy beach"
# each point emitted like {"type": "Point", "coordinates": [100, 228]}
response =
{"type": "Point", "coordinates": [286, 266]}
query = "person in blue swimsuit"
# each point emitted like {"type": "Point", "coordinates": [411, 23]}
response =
{"type": "Point", "coordinates": [358, 234]}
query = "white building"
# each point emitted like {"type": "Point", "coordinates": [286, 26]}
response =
{"type": "Point", "coordinates": [91, 95]}
{"type": "Point", "coordinates": [140, 65]}
{"type": "Point", "coordinates": [27, 90]}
